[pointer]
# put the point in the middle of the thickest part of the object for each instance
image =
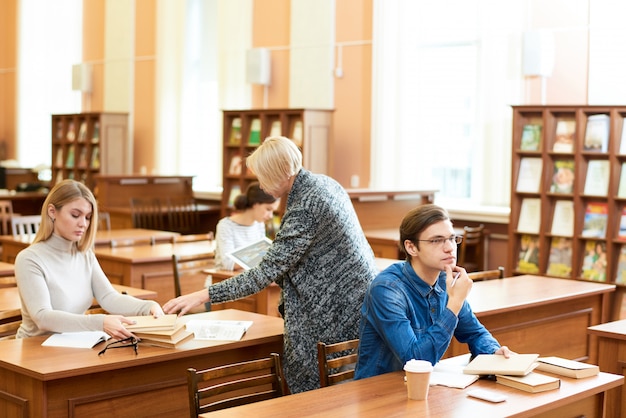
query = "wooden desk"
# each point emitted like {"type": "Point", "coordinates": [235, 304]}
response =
{"type": "Point", "coordinates": [150, 266]}
{"type": "Point", "coordinates": [6, 269]}
{"type": "Point", "coordinates": [548, 316]}
{"type": "Point", "coordinates": [38, 381]}
{"type": "Point", "coordinates": [612, 358]}
{"type": "Point", "coordinates": [385, 396]}
{"type": "Point", "coordinates": [12, 245]}
{"type": "Point", "coordinates": [10, 296]}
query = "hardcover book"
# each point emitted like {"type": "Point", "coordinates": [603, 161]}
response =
{"type": "Point", "coordinates": [563, 177]}
{"type": "Point", "coordinates": [594, 261]}
{"type": "Point", "coordinates": [95, 138]}
{"type": "Point", "coordinates": [531, 137]}
{"type": "Point", "coordinates": [529, 177]}
{"type": "Point", "coordinates": [82, 132]}
{"type": "Point", "coordinates": [235, 132]}
{"type": "Point", "coordinates": [597, 133]}
{"type": "Point", "coordinates": [567, 368]}
{"type": "Point", "coordinates": [560, 261]}
{"type": "Point", "coordinates": [621, 235]}
{"type": "Point", "coordinates": [620, 277]}
{"type": "Point", "coordinates": [495, 364]}
{"type": "Point", "coordinates": [528, 259]}
{"type": "Point", "coordinates": [594, 225]}
{"type": "Point", "coordinates": [255, 132]}
{"type": "Point", "coordinates": [529, 216]}
{"type": "Point", "coordinates": [532, 382]}
{"type": "Point", "coordinates": [563, 218]}
{"type": "Point", "coordinates": [597, 180]}
{"type": "Point", "coordinates": [146, 323]}
{"type": "Point", "coordinates": [622, 144]}
{"type": "Point", "coordinates": [69, 161]}
{"type": "Point", "coordinates": [564, 137]}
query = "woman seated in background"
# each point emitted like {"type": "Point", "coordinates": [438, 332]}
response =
{"type": "Point", "coordinates": [245, 226]}
{"type": "Point", "coordinates": [58, 275]}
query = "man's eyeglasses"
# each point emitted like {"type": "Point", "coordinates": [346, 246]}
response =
{"type": "Point", "coordinates": [126, 342]}
{"type": "Point", "coordinates": [439, 242]}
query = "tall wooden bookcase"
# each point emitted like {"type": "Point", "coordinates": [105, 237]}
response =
{"type": "Point", "coordinates": [557, 209]}
{"type": "Point", "coordinates": [86, 144]}
{"type": "Point", "coordinates": [244, 130]}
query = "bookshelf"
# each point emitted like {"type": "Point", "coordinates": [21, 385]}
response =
{"type": "Point", "coordinates": [574, 214]}
{"type": "Point", "coordinates": [86, 144]}
{"type": "Point", "coordinates": [244, 130]}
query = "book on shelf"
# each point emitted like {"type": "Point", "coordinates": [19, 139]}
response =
{"type": "Point", "coordinates": [621, 189]}
{"type": "Point", "coordinates": [145, 323]}
{"type": "Point", "coordinates": [297, 134]}
{"type": "Point", "coordinates": [564, 136]}
{"type": "Point", "coordinates": [235, 132]}
{"type": "Point", "coordinates": [597, 179]}
{"type": "Point", "coordinates": [276, 128]}
{"type": "Point", "coordinates": [532, 382]}
{"type": "Point", "coordinates": [59, 134]}
{"type": "Point", "coordinates": [71, 133]}
{"type": "Point", "coordinates": [494, 364]}
{"type": "Point", "coordinates": [80, 339]}
{"type": "Point", "coordinates": [563, 218]}
{"type": "Point", "coordinates": [620, 277]}
{"type": "Point", "coordinates": [220, 330]}
{"type": "Point", "coordinates": [69, 161]}
{"type": "Point", "coordinates": [529, 215]}
{"type": "Point", "coordinates": [594, 224]}
{"type": "Point", "coordinates": [59, 177]}
{"type": "Point", "coordinates": [594, 261]}
{"type": "Point", "coordinates": [568, 368]}
{"type": "Point", "coordinates": [255, 132]}
{"type": "Point", "coordinates": [235, 191]}
{"type": "Point", "coordinates": [560, 259]}
{"type": "Point", "coordinates": [59, 158]}
{"type": "Point", "coordinates": [531, 137]}
{"type": "Point", "coordinates": [95, 158]}
{"type": "Point", "coordinates": [597, 133]}
{"type": "Point", "coordinates": [82, 158]}
{"type": "Point", "coordinates": [528, 259]}
{"type": "Point", "coordinates": [622, 144]}
{"type": "Point", "coordinates": [95, 137]}
{"type": "Point", "coordinates": [236, 165]}
{"type": "Point", "coordinates": [563, 177]}
{"type": "Point", "coordinates": [621, 233]}
{"type": "Point", "coordinates": [82, 131]}
{"type": "Point", "coordinates": [529, 177]}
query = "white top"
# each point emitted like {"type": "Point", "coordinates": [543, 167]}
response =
{"type": "Point", "coordinates": [57, 284]}
{"type": "Point", "coordinates": [230, 235]}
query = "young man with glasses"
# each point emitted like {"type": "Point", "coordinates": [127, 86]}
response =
{"type": "Point", "coordinates": [413, 308]}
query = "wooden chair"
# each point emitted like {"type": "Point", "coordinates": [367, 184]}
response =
{"type": "Point", "coordinates": [472, 251]}
{"type": "Point", "coordinates": [478, 276]}
{"type": "Point", "coordinates": [336, 361]}
{"type": "Point", "coordinates": [209, 236]}
{"type": "Point", "coordinates": [6, 214]}
{"type": "Point", "coordinates": [104, 221]}
{"type": "Point", "coordinates": [9, 329]}
{"type": "Point", "coordinates": [234, 384]}
{"type": "Point", "coordinates": [27, 225]}
{"type": "Point", "coordinates": [183, 216]}
{"type": "Point", "coordinates": [129, 242]}
{"type": "Point", "coordinates": [187, 267]}
{"type": "Point", "coordinates": [147, 213]}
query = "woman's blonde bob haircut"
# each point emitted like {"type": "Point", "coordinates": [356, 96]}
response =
{"type": "Point", "coordinates": [276, 160]}
{"type": "Point", "coordinates": [63, 193]}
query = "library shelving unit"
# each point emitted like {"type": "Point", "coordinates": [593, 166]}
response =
{"type": "Point", "coordinates": [244, 130]}
{"type": "Point", "coordinates": [566, 196]}
{"type": "Point", "coordinates": [86, 144]}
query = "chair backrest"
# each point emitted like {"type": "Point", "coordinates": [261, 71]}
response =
{"type": "Point", "coordinates": [209, 236]}
{"type": "Point", "coordinates": [336, 361]}
{"type": "Point", "coordinates": [147, 213]}
{"type": "Point", "coordinates": [183, 216]}
{"type": "Point", "coordinates": [6, 213]}
{"type": "Point", "coordinates": [27, 225]}
{"type": "Point", "coordinates": [472, 252]}
{"type": "Point", "coordinates": [234, 384]}
{"type": "Point", "coordinates": [188, 266]}
{"type": "Point", "coordinates": [129, 242]}
{"type": "Point", "coordinates": [104, 221]}
{"type": "Point", "coordinates": [478, 276]}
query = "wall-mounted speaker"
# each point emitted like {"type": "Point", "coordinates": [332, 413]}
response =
{"type": "Point", "coordinates": [81, 77]}
{"type": "Point", "coordinates": [538, 53]}
{"type": "Point", "coordinates": [258, 68]}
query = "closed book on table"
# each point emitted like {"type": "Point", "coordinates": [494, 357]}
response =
{"type": "Point", "coordinates": [494, 364]}
{"type": "Point", "coordinates": [151, 323]}
{"type": "Point", "coordinates": [567, 368]}
{"type": "Point", "coordinates": [532, 382]}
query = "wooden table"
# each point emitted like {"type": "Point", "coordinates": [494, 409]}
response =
{"type": "Point", "coordinates": [548, 316]}
{"type": "Point", "coordinates": [6, 269]}
{"type": "Point", "coordinates": [385, 396]}
{"type": "Point", "coordinates": [38, 381]}
{"type": "Point", "coordinates": [12, 245]}
{"type": "Point", "coordinates": [10, 296]}
{"type": "Point", "coordinates": [150, 266]}
{"type": "Point", "coordinates": [612, 358]}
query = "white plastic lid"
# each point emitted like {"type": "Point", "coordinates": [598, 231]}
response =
{"type": "Point", "coordinates": [418, 366]}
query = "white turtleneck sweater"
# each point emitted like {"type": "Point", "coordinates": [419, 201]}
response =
{"type": "Point", "coordinates": [57, 284]}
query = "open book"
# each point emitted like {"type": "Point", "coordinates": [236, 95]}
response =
{"type": "Point", "coordinates": [449, 372]}
{"type": "Point", "coordinates": [82, 339]}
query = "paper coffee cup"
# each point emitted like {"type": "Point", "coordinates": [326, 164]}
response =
{"type": "Point", "coordinates": [417, 378]}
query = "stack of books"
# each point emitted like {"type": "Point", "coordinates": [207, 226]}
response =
{"type": "Point", "coordinates": [164, 331]}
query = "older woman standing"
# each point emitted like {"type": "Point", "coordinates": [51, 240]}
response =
{"type": "Point", "coordinates": [320, 258]}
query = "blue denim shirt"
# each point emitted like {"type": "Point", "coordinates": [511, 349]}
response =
{"type": "Point", "coordinates": [404, 318]}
